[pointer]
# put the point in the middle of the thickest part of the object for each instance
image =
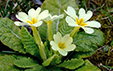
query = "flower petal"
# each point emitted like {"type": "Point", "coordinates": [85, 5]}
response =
{"type": "Point", "coordinates": [17, 23]}
{"type": "Point", "coordinates": [38, 10]}
{"type": "Point", "coordinates": [71, 12]}
{"type": "Point", "coordinates": [81, 13]}
{"type": "Point", "coordinates": [32, 13]}
{"type": "Point", "coordinates": [22, 16]}
{"type": "Point", "coordinates": [70, 21]}
{"type": "Point", "coordinates": [88, 30]}
{"type": "Point", "coordinates": [67, 40]}
{"type": "Point", "coordinates": [48, 18]}
{"type": "Point", "coordinates": [43, 14]}
{"type": "Point", "coordinates": [62, 52]}
{"type": "Point", "coordinates": [93, 24]}
{"type": "Point", "coordinates": [54, 17]}
{"type": "Point", "coordinates": [57, 17]}
{"type": "Point", "coordinates": [39, 23]}
{"type": "Point", "coordinates": [88, 16]}
{"type": "Point", "coordinates": [70, 47]}
{"type": "Point", "coordinates": [57, 37]}
{"type": "Point", "coordinates": [54, 45]}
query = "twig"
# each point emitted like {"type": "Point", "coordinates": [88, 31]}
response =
{"type": "Point", "coordinates": [101, 65]}
{"type": "Point", "coordinates": [101, 48]}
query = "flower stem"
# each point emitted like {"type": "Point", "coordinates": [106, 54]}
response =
{"type": "Point", "coordinates": [36, 35]}
{"type": "Point", "coordinates": [74, 32]}
{"type": "Point", "coordinates": [39, 42]}
{"type": "Point", "coordinates": [49, 30]}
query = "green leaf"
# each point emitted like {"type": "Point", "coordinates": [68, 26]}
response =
{"type": "Point", "coordinates": [10, 35]}
{"type": "Point", "coordinates": [88, 42]}
{"type": "Point", "coordinates": [29, 42]}
{"type": "Point", "coordinates": [25, 63]}
{"type": "Point", "coordinates": [88, 67]}
{"type": "Point", "coordinates": [72, 64]}
{"type": "Point", "coordinates": [55, 7]}
{"type": "Point", "coordinates": [48, 61]}
{"type": "Point", "coordinates": [6, 63]}
{"type": "Point", "coordinates": [83, 54]}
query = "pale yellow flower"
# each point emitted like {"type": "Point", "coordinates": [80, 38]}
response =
{"type": "Point", "coordinates": [62, 44]}
{"type": "Point", "coordinates": [34, 17]}
{"type": "Point", "coordinates": [81, 20]}
{"type": "Point", "coordinates": [49, 21]}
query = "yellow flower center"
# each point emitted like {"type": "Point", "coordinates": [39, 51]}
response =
{"type": "Point", "coordinates": [61, 45]}
{"type": "Point", "coordinates": [80, 22]}
{"type": "Point", "coordinates": [33, 21]}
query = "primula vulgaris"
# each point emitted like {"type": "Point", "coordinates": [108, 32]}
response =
{"type": "Point", "coordinates": [49, 21]}
{"type": "Point", "coordinates": [62, 44]}
{"type": "Point", "coordinates": [81, 20]}
{"type": "Point", "coordinates": [34, 17]}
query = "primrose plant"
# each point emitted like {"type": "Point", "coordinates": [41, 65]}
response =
{"type": "Point", "coordinates": [61, 44]}
{"type": "Point", "coordinates": [59, 50]}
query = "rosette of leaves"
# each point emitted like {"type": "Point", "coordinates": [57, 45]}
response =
{"type": "Point", "coordinates": [26, 55]}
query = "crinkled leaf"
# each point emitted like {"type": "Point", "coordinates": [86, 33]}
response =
{"type": "Point", "coordinates": [88, 42]}
{"type": "Point", "coordinates": [83, 54]}
{"type": "Point", "coordinates": [58, 6]}
{"type": "Point", "coordinates": [10, 35]}
{"type": "Point", "coordinates": [29, 42]}
{"type": "Point", "coordinates": [6, 63]}
{"type": "Point", "coordinates": [55, 7]}
{"type": "Point", "coordinates": [25, 63]}
{"type": "Point", "coordinates": [35, 68]}
{"type": "Point", "coordinates": [72, 64]}
{"type": "Point", "coordinates": [88, 66]}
